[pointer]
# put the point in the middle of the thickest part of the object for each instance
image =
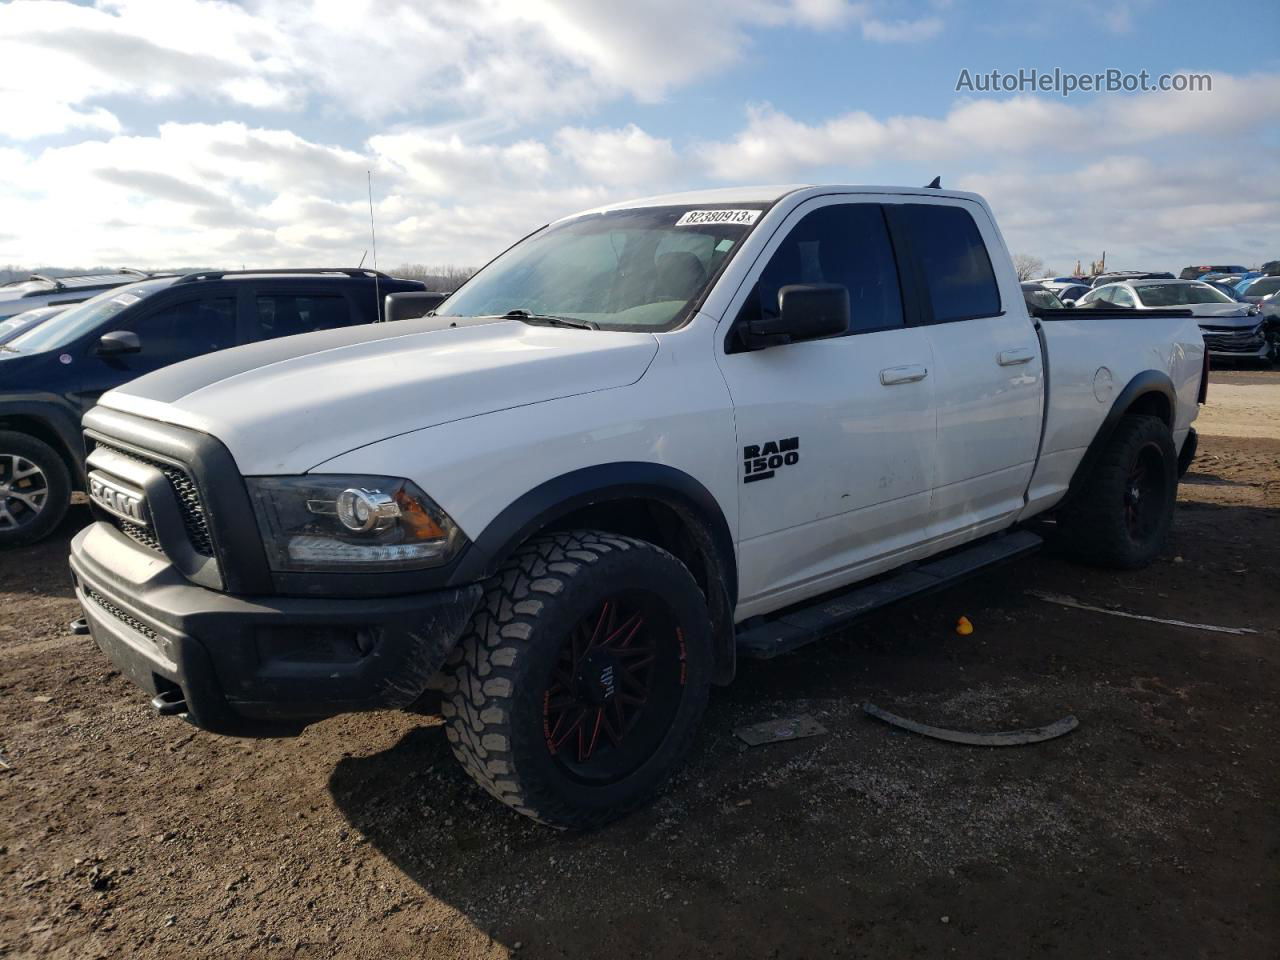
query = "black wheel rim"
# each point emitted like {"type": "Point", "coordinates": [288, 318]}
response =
{"type": "Point", "coordinates": [615, 688]}
{"type": "Point", "coordinates": [1144, 493]}
{"type": "Point", "coordinates": [24, 489]}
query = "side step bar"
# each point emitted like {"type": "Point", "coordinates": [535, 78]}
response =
{"type": "Point", "coordinates": [804, 624]}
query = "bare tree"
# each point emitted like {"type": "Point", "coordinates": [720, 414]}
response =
{"type": "Point", "coordinates": [1028, 266]}
{"type": "Point", "coordinates": [441, 279]}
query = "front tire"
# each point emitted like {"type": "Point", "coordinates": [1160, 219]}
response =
{"type": "Point", "coordinates": [1122, 513]}
{"type": "Point", "coordinates": [580, 682]}
{"type": "Point", "coordinates": [35, 489]}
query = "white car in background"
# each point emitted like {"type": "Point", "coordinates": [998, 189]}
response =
{"type": "Point", "coordinates": [1232, 330]}
{"type": "Point", "coordinates": [38, 290]}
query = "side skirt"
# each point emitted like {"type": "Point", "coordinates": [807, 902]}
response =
{"type": "Point", "coordinates": [765, 638]}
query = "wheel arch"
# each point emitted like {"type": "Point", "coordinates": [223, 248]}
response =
{"type": "Point", "coordinates": [1149, 393]}
{"type": "Point", "coordinates": [649, 501]}
{"type": "Point", "coordinates": [50, 426]}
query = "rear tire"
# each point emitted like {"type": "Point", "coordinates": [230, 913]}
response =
{"type": "Point", "coordinates": [580, 682]}
{"type": "Point", "coordinates": [1122, 513]}
{"type": "Point", "coordinates": [35, 489]}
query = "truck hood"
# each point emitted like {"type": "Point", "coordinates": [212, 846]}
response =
{"type": "Point", "coordinates": [1218, 309]}
{"type": "Point", "coordinates": [1229, 322]}
{"type": "Point", "coordinates": [286, 405]}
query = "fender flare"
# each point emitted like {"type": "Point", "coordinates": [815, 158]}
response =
{"type": "Point", "coordinates": [694, 505]}
{"type": "Point", "coordinates": [58, 417]}
{"type": "Point", "coordinates": [1145, 383]}
{"type": "Point", "coordinates": [626, 480]}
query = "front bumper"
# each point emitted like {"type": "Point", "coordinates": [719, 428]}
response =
{"type": "Point", "coordinates": [258, 665]}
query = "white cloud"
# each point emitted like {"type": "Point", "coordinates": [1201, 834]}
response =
{"type": "Point", "coordinates": [775, 146]}
{"type": "Point", "coordinates": [505, 59]}
{"type": "Point", "coordinates": [623, 157]}
{"type": "Point", "coordinates": [902, 31]}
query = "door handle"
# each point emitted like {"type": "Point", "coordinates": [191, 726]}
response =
{"type": "Point", "coordinates": [1011, 358]}
{"type": "Point", "coordinates": [911, 373]}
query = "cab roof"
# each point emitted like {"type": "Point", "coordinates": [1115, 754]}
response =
{"type": "Point", "coordinates": [769, 195]}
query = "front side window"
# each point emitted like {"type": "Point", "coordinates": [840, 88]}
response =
{"type": "Point", "coordinates": [847, 244]}
{"type": "Point", "coordinates": [287, 314]}
{"type": "Point", "coordinates": [1179, 294]}
{"type": "Point", "coordinates": [957, 269]}
{"type": "Point", "coordinates": [1122, 297]}
{"type": "Point", "coordinates": [186, 329]}
{"type": "Point", "coordinates": [636, 269]}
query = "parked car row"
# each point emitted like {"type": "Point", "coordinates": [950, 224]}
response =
{"type": "Point", "coordinates": [55, 365]}
{"type": "Point", "coordinates": [1243, 304]}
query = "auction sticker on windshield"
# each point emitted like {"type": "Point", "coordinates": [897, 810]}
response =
{"type": "Point", "coordinates": [743, 218]}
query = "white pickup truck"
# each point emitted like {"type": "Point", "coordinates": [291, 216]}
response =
{"type": "Point", "coordinates": [645, 440]}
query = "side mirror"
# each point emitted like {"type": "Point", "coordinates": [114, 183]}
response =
{"type": "Point", "coordinates": [117, 342]}
{"type": "Point", "coordinates": [806, 311]}
{"type": "Point", "coordinates": [1068, 303]}
{"type": "Point", "coordinates": [411, 304]}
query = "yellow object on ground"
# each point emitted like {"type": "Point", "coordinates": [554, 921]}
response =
{"type": "Point", "coordinates": [964, 627]}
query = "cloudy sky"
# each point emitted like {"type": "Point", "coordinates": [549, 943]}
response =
{"type": "Point", "coordinates": [154, 132]}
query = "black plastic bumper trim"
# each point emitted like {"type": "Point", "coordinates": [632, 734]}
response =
{"type": "Point", "coordinates": [180, 641]}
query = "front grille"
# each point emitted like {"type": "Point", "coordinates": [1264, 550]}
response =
{"type": "Point", "coordinates": [139, 534]}
{"type": "Point", "coordinates": [126, 619]}
{"type": "Point", "coordinates": [192, 507]}
{"type": "Point", "coordinates": [1243, 341]}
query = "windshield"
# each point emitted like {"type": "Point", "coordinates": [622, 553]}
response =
{"type": "Point", "coordinates": [78, 320]}
{"type": "Point", "coordinates": [636, 269]}
{"type": "Point", "coordinates": [21, 321]}
{"type": "Point", "coordinates": [1179, 294]}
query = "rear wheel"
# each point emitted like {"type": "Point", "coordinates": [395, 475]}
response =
{"type": "Point", "coordinates": [1122, 513]}
{"type": "Point", "coordinates": [35, 488]}
{"type": "Point", "coordinates": [581, 680]}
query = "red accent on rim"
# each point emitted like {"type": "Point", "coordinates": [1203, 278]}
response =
{"type": "Point", "coordinates": [602, 682]}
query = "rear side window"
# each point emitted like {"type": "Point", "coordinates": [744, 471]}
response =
{"type": "Point", "coordinates": [957, 269]}
{"type": "Point", "coordinates": [846, 244]}
{"type": "Point", "coordinates": [187, 329]}
{"type": "Point", "coordinates": [286, 314]}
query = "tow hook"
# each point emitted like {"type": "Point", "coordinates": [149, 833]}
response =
{"type": "Point", "coordinates": [170, 703]}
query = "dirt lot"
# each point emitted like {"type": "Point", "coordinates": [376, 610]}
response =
{"type": "Point", "coordinates": [1153, 830]}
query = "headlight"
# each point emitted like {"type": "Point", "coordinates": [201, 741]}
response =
{"type": "Point", "coordinates": [333, 522]}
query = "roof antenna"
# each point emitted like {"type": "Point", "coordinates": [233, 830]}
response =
{"type": "Point", "coordinates": [362, 256]}
{"type": "Point", "coordinates": [934, 184]}
{"type": "Point", "coordinates": [373, 236]}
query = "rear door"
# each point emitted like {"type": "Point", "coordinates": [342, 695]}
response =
{"type": "Point", "coordinates": [289, 308]}
{"type": "Point", "coordinates": [988, 375]}
{"type": "Point", "coordinates": [836, 436]}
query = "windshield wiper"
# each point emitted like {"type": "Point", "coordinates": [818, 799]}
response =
{"type": "Point", "coordinates": [548, 320]}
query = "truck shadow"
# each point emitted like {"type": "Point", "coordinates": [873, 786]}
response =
{"type": "Point", "coordinates": [866, 835]}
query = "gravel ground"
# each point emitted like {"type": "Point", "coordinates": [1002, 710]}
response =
{"type": "Point", "coordinates": [1152, 830]}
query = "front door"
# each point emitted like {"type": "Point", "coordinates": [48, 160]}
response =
{"type": "Point", "coordinates": [836, 436]}
{"type": "Point", "coordinates": [167, 333]}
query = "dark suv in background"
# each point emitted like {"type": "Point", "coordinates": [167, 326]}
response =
{"type": "Point", "coordinates": [53, 373]}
